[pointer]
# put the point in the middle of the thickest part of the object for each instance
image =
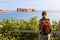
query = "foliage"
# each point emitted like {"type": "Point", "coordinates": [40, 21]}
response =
{"type": "Point", "coordinates": [54, 36]}
{"type": "Point", "coordinates": [55, 25]}
{"type": "Point", "coordinates": [21, 24]}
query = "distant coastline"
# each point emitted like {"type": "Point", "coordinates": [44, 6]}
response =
{"type": "Point", "coordinates": [4, 10]}
{"type": "Point", "coordinates": [25, 10]}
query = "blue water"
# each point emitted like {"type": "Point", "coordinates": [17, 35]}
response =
{"type": "Point", "coordinates": [53, 15]}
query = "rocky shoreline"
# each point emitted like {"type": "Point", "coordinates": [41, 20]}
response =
{"type": "Point", "coordinates": [4, 10]}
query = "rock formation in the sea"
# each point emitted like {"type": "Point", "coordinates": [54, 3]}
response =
{"type": "Point", "coordinates": [4, 10]}
{"type": "Point", "coordinates": [25, 10]}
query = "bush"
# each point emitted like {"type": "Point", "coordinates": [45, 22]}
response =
{"type": "Point", "coordinates": [21, 24]}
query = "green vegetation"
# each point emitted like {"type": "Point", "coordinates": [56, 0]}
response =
{"type": "Point", "coordinates": [21, 24]}
{"type": "Point", "coordinates": [54, 36]}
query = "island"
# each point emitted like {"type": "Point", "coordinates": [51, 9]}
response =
{"type": "Point", "coordinates": [25, 10]}
{"type": "Point", "coordinates": [4, 10]}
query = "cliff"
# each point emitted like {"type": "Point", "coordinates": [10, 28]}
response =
{"type": "Point", "coordinates": [25, 10]}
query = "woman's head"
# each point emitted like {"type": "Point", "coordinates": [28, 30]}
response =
{"type": "Point", "coordinates": [44, 14]}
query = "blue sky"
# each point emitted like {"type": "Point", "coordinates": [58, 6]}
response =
{"type": "Point", "coordinates": [37, 4]}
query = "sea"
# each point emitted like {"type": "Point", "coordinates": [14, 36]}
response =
{"type": "Point", "coordinates": [52, 15]}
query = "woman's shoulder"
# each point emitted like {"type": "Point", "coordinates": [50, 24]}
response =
{"type": "Point", "coordinates": [48, 19]}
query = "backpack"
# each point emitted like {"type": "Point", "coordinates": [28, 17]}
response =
{"type": "Point", "coordinates": [45, 26]}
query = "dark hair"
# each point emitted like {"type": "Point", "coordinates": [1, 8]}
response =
{"type": "Point", "coordinates": [44, 13]}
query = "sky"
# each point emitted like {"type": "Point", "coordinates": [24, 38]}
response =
{"type": "Point", "coordinates": [36, 4]}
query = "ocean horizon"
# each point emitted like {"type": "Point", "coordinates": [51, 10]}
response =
{"type": "Point", "coordinates": [52, 15]}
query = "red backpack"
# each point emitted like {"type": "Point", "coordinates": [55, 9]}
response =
{"type": "Point", "coordinates": [45, 27]}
